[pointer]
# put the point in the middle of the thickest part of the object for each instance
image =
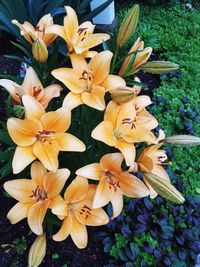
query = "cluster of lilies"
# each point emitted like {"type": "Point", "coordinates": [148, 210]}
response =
{"type": "Point", "coordinates": [40, 135]}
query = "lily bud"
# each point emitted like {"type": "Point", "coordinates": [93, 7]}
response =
{"type": "Point", "coordinates": [128, 26]}
{"type": "Point", "coordinates": [183, 140]}
{"type": "Point", "coordinates": [164, 188]}
{"type": "Point", "coordinates": [39, 50]}
{"type": "Point", "coordinates": [123, 95]}
{"type": "Point", "coordinates": [37, 251]}
{"type": "Point", "coordinates": [159, 67]}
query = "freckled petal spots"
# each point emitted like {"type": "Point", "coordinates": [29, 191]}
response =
{"type": "Point", "coordinates": [65, 230]}
{"type": "Point", "coordinates": [20, 189]}
{"type": "Point", "coordinates": [36, 216]}
{"type": "Point", "coordinates": [56, 121]}
{"type": "Point", "coordinates": [77, 190]}
{"type": "Point", "coordinates": [128, 150]}
{"type": "Point", "coordinates": [23, 132]}
{"type": "Point", "coordinates": [113, 82]}
{"type": "Point", "coordinates": [18, 212]}
{"type": "Point", "coordinates": [112, 162]}
{"type": "Point", "coordinates": [95, 98]}
{"type": "Point", "coordinates": [104, 132]}
{"type": "Point", "coordinates": [117, 203]}
{"type": "Point", "coordinates": [47, 154]}
{"type": "Point", "coordinates": [22, 158]}
{"type": "Point", "coordinates": [38, 171]}
{"type": "Point", "coordinates": [55, 181]}
{"type": "Point", "coordinates": [79, 234]}
{"type": "Point", "coordinates": [33, 109]}
{"type": "Point", "coordinates": [68, 142]}
{"type": "Point", "coordinates": [72, 100]}
{"type": "Point", "coordinates": [92, 171]}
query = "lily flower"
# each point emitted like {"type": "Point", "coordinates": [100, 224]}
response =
{"type": "Point", "coordinates": [113, 182]}
{"type": "Point", "coordinates": [88, 82]}
{"type": "Point", "coordinates": [123, 126]}
{"type": "Point", "coordinates": [151, 161]}
{"type": "Point", "coordinates": [41, 135]}
{"type": "Point", "coordinates": [35, 195]}
{"type": "Point", "coordinates": [79, 38]}
{"type": "Point", "coordinates": [142, 56]}
{"type": "Point", "coordinates": [32, 34]}
{"type": "Point", "coordinates": [33, 87]}
{"type": "Point", "coordinates": [77, 211]}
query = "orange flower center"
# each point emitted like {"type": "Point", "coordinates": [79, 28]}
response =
{"type": "Point", "coordinates": [45, 136]}
{"type": "Point", "coordinates": [112, 181]}
{"type": "Point", "coordinates": [125, 124]}
{"type": "Point", "coordinates": [39, 194]}
{"type": "Point", "coordinates": [36, 91]}
{"type": "Point", "coordinates": [85, 211]}
{"type": "Point", "coordinates": [88, 77]}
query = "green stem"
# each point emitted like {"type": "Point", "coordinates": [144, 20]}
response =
{"type": "Point", "coordinates": [114, 59]}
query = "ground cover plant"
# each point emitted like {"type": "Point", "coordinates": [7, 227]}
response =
{"type": "Point", "coordinates": [107, 119]}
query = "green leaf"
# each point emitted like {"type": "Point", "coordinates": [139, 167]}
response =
{"type": "Point", "coordinates": [6, 169]}
{"type": "Point", "coordinates": [6, 155]}
{"type": "Point", "coordinates": [5, 138]}
{"type": "Point", "coordinates": [23, 49]}
{"type": "Point", "coordinates": [8, 107]}
{"type": "Point", "coordinates": [21, 59]}
{"type": "Point", "coordinates": [85, 4]}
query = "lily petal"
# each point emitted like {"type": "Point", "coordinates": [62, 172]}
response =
{"type": "Point", "coordinates": [70, 23]}
{"type": "Point", "coordinates": [104, 193]}
{"type": "Point", "coordinates": [79, 63]}
{"type": "Point", "coordinates": [68, 142]}
{"type": "Point", "coordinates": [10, 86]}
{"type": "Point", "coordinates": [31, 80]}
{"type": "Point", "coordinates": [72, 100]}
{"type": "Point", "coordinates": [112, 162]}
{"type": "Point", "coordinates": [104, 132]}
{"type": "Point", "coordinates": [95, 98]}
{"type": "Point", "coordinates": [33, 109]}
{"type": "Point", "coordinates": [60, 209]}
{"type": "Point", "coordinates": [112, 82]}
{"type": "Point", "coordinates": [64, 231]}
{"type": "Point", "coordinates": [18, 212]}
{"type": "Point", "coordinates": [79, 234]}
{"type": "Point", "coordinates": [77, 190]}
{"type": "Point", "coordinates": [38, 171]}
{"type": "Point", "coordinates": [117, 203]}
{"type": "Point", "coordinates": [92, 171]}
{"type": "Point", "coordinates": [127, 149]}
{"type": "Point", "coordinates": [49, 93]}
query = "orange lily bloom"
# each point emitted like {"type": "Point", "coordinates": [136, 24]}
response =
{"type": "Point", "coordinates": [79, 38]}
{"type": "Point", "coordinates": [35, 196]}
{"type": "Point", "coordinates": [88, 82]}
{"type": "Point", "coordinates": [32, 34]}
{"type": "Point", "coordinates": [140, 59]}
{"type": "Point", "coordinates": [113, 182]}
{"type": "Point", "coordinates": [151, 160]}
{"type": "Point", "coordinates": [33, 87]}
{"type": "Point", "coordinates": [77, 211]}
{"type": "Point", "coordinates": [123, 126]}
{"type": "Point", "coordinates": [41, 135]}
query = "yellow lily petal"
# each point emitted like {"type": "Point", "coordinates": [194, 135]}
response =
{"type": "Point", "coordinates": [117, 203]}
{"type": "Point", "coordinates": [141, 101]}
{"type": "Point", "coordinates": [23, 132]}
{"type": "Point", "coordinates": [92, 171]}
{"type": "Point", "coordinates": [68, 142]}
{"type": "Point", "coordinates": [112, 162]}
{"type": "Point", "coordinates": [127, 149]}
{"type": "Point", "coordinates": [95, 98]}
{"type": "Point", "coordinates": [147, 120]}
{"type": "Point", "coordinates": [56, 121]}
{"type": "Point", "coordinates": [20, 189]}
{"type": "Point", "coordinates": [54, 182]}
{"type": "Point", "coordinates": [77, 190]}
{"type": "Point", "coordinates": [23, 157]}
{"type": "Point", "coordinates": [79, 234]}
{"type": "Point", "coordinates": [104, 132]}
{"type": "Point", "coordinates": [70, 23]}
{"type": "Point", "coordinates": [64, 231]}
{"type": "Point", "coordinates": [31, 80]}
{"type": "Point", "coordinates": [18, 212]}
{"type": "Point", "coordinates": [112, 82]}
{"type": "Point", "coordinates": [26, 30]}
{"type": "Point", "coordinates": [111, 113]}
{"type": "Point", "coordinates": [60, 208]}
{"type": "Point", "coordinates": [72, 100]}
{"type": "Point", "coordinates": [70, 79]}
{"type": "Point", "coordinates": [79, 63]}
{"type": "Point", "coordinates": [47, 153]}
{"type": "Point", "coordinates": [58, 30]}
{"type": "Point", "coordinates": [131, 186]}
{"type": "Point", "coordinates": [33, 109]}
{"type": "Point", "coordinates": [100, 66]}
{"type": "Point", "coordinates": [49, 93]}
{"type": "Point", "coordinates": [11, 87]}
{"type": "Point", "coordinates": [38, 171]}
{"type": "Point", "coordinates": [36, 216]}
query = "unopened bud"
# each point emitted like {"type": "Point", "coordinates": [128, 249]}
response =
{"type": "Point", "coordinates": [37, 251]}
{"type": "Point", "coordinates": [39, 50]}
{"type": "Point", "coordinates": [164, 188]}
{"type": "Point", "coordinates": [183, 140]}
{"type": "Point", "coordinates": [123, 95]}
{"type": "Point", "coordinates": [128, 26]}
{"type": "Point", "coordinates": [159, 67]}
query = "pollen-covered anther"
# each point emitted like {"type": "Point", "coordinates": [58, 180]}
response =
{"type": "Point", "coordinates": [45, 136]}
{"type": "Point", "coordinates": [39, 194]}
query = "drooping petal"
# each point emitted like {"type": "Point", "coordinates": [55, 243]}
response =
{"type": "Point", "coordinates": [65, 229]}
{"type": "Point", "coordinates": [56, 121]}
{"type": "Point", "coordinates": [33, 109]}
{"type": "Point", "coordinates": [49, 93]}
{"type": "Point", "coordinates": [23, 132]}
{"type": "Point", "coordinates": [11, 87]}
{"type": "Point", "coordinates": [79, 234]}
{"type": "Point", "coordinates": [104, 132]}
{"type": "Point", "coordinates": [70, 79]}
{"type": "Point", "coordinates": [68, 142]}
{"type": "Point", "coordinates": [104, 193]}
{"type": "Point", "coordinates": [20, 189]}
{"type": "Point", "coordinates": [100, 66]}
{"type": "Point", "coordinates": [113, 82]}
{"type": "Point", "coordinates": [72, 100]}
{"type": "Point", "coordinates": [27, 30]}
{"type": "Point", "coordinates": [117, 203]}
{"type": "Point", "coordinates": [36, 216]}
{"type": "Point", "coordinates": [131, 186]}
{"type": "Point", "coordinates": [95, 98]}
{"type": "Point", "coordinates": [92, 171]}
{"type": "Point", "coordinates": [38, 171]}
{"type": "Point", "coordinates": [128, 150]}
{"type": "Point", "coordinates": [47, 153]}
{"type": "Point", "coordinates": [55, 181]}
{"type": "Point", "coordinates": [112, 162]}
{"type": "Point", "coordinates": [18, 212]}
{"type": "Point", "coordinates": [22, 158]}
{"type": "Point", "coordinates": [77, 190]}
